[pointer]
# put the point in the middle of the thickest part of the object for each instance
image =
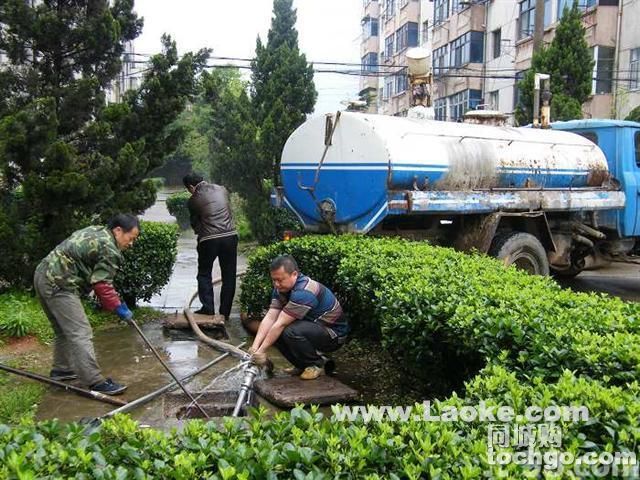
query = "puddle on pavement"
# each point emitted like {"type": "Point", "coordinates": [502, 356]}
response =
{"type": "Point", "coordinates": [124, 357]}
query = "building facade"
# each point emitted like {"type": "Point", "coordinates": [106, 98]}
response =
{"type": "Point", "coordinates": [481, 48]}
{"type": "Point", "coordinates": [369, 54]}
{"type": "Point", "coordinates": [626, 94]}
{"type": "Point", "coordinates": [129, 77]}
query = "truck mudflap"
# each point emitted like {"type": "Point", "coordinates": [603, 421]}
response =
{"type": "Point", "coordinates": [470, 202]}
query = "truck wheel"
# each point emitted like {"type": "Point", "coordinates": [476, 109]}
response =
{"type": "Point", "coordinates": [522, 250]}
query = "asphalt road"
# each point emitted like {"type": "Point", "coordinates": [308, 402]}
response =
{"type": "Point", "coordinates": [619, 279]}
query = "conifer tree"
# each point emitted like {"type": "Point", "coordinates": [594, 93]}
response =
{"type": "Point", "coordinates": [569, 61]}
{"type": "Point", "coordinates": [66, 157]}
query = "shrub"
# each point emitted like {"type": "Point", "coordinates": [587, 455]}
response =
{"type": "Point", "coordinates": [148, 264]}
{"type": "Point", "coordinates": [177, 206]}
{"type": "Point", "coordinates": [238, 207]}
{"type": "Point", "coordinates": [158, 182]}
{"type": "Point", "coordinates": [307, 444]}
{"type": "Point", "coordinates": [541, 345]}
{"type": "Point", "coordinates": [429, 302]}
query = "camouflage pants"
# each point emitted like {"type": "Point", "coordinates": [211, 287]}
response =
{"type": "Point", "coordinates": [73, 345]}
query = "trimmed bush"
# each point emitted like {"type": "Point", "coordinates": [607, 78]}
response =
{"type": "Point", "coordinates": [239, 208]}
{"type": "Point", "coordinates": [177, 206]}
{"type": "Point", "coordinates": [306, 444]}
{"type": "Point", "coordinates": [427, 301]}
{"type": "Point", "coordinates": [148, 264]}
{"type": "Point", "coordinates": [541, 345]}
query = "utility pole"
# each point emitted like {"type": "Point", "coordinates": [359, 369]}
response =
{"type": "Point", "coordinates": [538, 29]}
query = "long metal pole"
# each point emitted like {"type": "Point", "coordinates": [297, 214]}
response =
{"type": "Point", "coordinates": [101, 397]}
{"type": "Point", "coordinates": [166, 367]}
{"type": "Point", "coordinates": [167, 388]}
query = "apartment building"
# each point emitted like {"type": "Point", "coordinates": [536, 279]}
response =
{"type": "Point", "coordinates": [399, 31]}
{"type": "Point", "coordinates": [626, 93]}
{"type": "Point", "coordinates": [481, 48]}
{"type": "Point", "coordinates": [129, 77]}
{"type": "Point", "coordinates": [369, 54]}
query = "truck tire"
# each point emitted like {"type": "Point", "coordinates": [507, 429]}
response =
{"type": "Point", "coordinates": [522, 250]}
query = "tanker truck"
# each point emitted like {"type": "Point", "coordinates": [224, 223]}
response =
{"type": "Point", "coordinates": [546, 200]}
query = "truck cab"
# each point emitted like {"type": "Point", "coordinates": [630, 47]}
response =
{"type": "Point", "coordinates": [620, 142]}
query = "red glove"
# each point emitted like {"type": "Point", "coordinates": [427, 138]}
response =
{"type": "Point", "coordinates": [107, 295]}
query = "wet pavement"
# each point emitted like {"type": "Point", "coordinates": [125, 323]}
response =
{"type": "Point", "coordinates": [617, 279]}
{"type": "Point", "coordinates": [182, 284]}
{"type": "Point", "coordinates": [124, 357]}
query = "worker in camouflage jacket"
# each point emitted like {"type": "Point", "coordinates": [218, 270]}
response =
{"type": "Point", "coordinates": [88, 260]}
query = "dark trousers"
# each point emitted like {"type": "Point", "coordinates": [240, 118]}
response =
{"type": "Point", "coordinates": [301, 340]}
{"type": "Point", "coordinates": [225, 249]}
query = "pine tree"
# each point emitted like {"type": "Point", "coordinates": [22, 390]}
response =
{"type": "Point", "coordinates": [283, 92]}
{"type": "Point", "coordinates": [249, 133]}
{"type": "Point", "coordinates": [569, 61]}
{"type": "Point", "coordinates": [66, 158]}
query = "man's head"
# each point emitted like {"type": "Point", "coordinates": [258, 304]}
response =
{"type": "Point", "coordinates": [191, 181]}
{"type": "Point", "coordinates": [125, 228]}
{"type": "Point", "coordinates": [284, 273]}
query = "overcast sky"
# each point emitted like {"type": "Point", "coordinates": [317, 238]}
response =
{"type": "Point", "coordinates": [328, 32]}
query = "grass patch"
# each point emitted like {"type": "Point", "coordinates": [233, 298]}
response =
{"type": "Point", "coordinates": [21, 315]}
{"type": "Point", "coordinates": [18, 397]}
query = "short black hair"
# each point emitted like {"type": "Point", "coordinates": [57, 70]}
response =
{"type": "Point", "coordinates": [286, 261]}
{"type": "Point", "coordinates": [125, 221]}
{"type": "Point", "coordinates": [192, 180]}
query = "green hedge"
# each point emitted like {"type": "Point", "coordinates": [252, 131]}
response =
{"type": "Point", "coordinates": [308, 445]}
{"type": "Point", "coordinates": [417, 298]}
{"type": "Point", "coordinates": [149, 263]}
{"type": "Point", "coordinates": [177, 206]}
{"type": "Point", "coordinates": [539, 344]}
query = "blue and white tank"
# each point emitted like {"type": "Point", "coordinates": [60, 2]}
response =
{"type": "Point", "coordinates": [371, 158]}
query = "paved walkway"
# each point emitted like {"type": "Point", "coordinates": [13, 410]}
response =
{"type": "Point", "coordinates": [182, 284]}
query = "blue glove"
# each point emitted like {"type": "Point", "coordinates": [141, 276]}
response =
{"type": "Point", "coordinates": [124, 313]}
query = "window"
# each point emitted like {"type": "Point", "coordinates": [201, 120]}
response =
{"type": "Point", "coordinates": [425, 32]}
{"type": "Point", "coordinates": [388, 87]}
{"type": "Point", "coordinates": [526, 19]}
{"type": "Point", "coordinates": [466, 48]}
{"type": "Point", "coordinates": [582, 5]}
{"type": "Point", "coordinates": [388, 46]}
{"type": "Point", "coordinates": [402, 81]}
{"type": "Point", "coordinates": [407, 36]}
{"type": "Point", "coordinates": [440, 11]}
{"type": "Point", "coordinates": [370, 27]}
{"type": "Point", "coordinates": [390, 9]}
{"type": "Point", "coordinates": [636, 139]}
{"type": "Point", "coordinates": [593, 136]}
{"type": "Point", "coordinates": [494, 100]}
{"type": "Point", "coordinates": [603, 69]}
{"type": "Point", "coordinates": [547, 13]}
{"type": "Point", "coordinates": [440, 107]}
{"type": "Point", "coordinates": [369, 62]}
{"type": "Point", "coordinates": [440, 60]}
{"type": "Point", "coordinates": [634, 68]}
{"type": "Point", "coordinates": [462, 102]}
{"type": "Point", "coordinates": [496, 39]}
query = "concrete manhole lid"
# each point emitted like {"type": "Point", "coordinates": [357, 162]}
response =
{"type": "Point", "coordinates": [288, 391]}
